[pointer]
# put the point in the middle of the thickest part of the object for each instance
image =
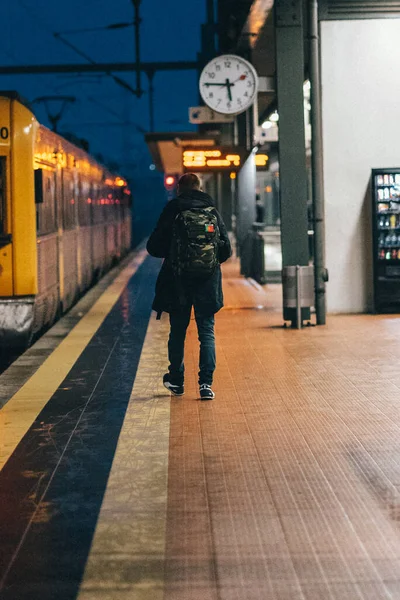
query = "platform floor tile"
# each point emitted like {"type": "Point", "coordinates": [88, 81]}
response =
{"type": "Point", "coordinates": [287, 485]}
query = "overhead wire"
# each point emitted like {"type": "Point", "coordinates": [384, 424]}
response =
{"type": "Point", "coordinates": [46, 27]}
{"type": "Point", "coordinates": [55, 35]}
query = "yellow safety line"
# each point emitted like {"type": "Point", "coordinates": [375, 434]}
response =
{"type": "Point", "coordinates": [17, 416]}
{"type": "Point", "coordinates": [126, 560]}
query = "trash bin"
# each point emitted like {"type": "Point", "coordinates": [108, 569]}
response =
{"type": "Point", "coordinates": [298, 290]}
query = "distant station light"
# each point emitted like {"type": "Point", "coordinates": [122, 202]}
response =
{"type": "Point", "coordinates": [169, 182]}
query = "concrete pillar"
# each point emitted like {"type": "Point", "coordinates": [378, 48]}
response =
{"type": "Point", "coordinates": [292, 153]}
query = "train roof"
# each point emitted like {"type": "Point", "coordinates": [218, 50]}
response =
{"type": "Point", "coordinates": [13, 95]}
{"type": "Point", "coordinates": [71, 139]}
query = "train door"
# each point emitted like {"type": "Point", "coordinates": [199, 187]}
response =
{"type": "Point", "coordinates": [47, 246]}
{"type": "Point", "coordinates": [69, 255]}
{"type": "Point", "coordinates": [84, 233]}
{"type": "Point", "coordinates": [6, 279]}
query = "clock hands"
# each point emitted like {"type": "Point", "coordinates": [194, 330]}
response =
{"type": "Point", "coordinates": [228, 87]}
{"type": "Point", "coordinates": [227, 84]}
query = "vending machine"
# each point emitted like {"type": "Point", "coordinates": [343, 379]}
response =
{"type": "Point", "coordinates": [386, 237]}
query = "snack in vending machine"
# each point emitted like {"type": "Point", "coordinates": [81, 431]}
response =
{"type": "Point", "coordinates": [386, 179]}
{"type": "Point", "coordinates": [382, 254]}
{"type": "Point", "coordinates": [395, 193]}
{"type": "Point", "coordinates": [379, 180]}
{"type": "Point", "coordinates": [388, 255]}
{"type": "Point", "coordinates": [394, 254]}
{"type": "Point", "coordinates": [393, 221]}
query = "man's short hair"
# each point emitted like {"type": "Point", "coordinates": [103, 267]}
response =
{"type": "Point", "coordinates": [189, 181]}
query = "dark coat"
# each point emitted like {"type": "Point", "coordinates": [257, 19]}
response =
{"type": "Point", "coordinates": [172, 295]}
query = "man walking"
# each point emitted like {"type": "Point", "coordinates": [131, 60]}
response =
{"type": "Point", "coordinates": [192, 238]}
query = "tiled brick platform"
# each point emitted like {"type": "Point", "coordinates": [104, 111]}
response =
{"type": "Point", "coordinates": [287, 486]}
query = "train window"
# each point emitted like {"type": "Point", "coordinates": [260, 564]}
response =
{"type": "Point", "coordinates": [68, 195]}
{"type": "Point", "coordinates": [46, 209]}
{"type": "Point", "coordinates": [3, 195]}
{"type": "Point", "coordinates": [39, 181]}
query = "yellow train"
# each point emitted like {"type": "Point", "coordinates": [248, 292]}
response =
{"type": "Point", "coordinates": [64, 220]}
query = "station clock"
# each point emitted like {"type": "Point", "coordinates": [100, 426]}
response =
{"type": "Point", "coordinates": [228, 84]}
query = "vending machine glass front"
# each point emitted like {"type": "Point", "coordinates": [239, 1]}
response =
{"type": "Point", "coordinates": [386, 230]}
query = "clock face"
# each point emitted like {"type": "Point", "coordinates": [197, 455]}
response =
{"type": "Point", "coordinates": [228, 84]}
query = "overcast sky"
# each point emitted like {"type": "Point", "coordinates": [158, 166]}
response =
{"type": "Point", "coordinates": [170, 31]}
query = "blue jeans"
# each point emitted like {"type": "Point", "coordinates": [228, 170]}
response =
{"type": "Point", "coordinates": [179, 322]}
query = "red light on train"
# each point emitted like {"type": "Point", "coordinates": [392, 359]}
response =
{"type": "Point", "coordinates": [170, 182]}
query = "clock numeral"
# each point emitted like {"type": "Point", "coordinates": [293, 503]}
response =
{"type": "Point", "coordinates": [228, 105]}
{"type": "Point", "coordinates": [217, 67]}
{"type": "Point", "coordinates": [239, 101]}
{"type": "Point", "coordinates": [228, 64]}
{"type": "Point", "coordinates": [219, 102]}
{"type": "Point", "coordinates": [238, 66]}
{"type": "Point", "coordinates": [211, 95]}
{"type": "Point", "coordinates": [212, 75]}
{"type": "Point", "coordinates": [249, 84]}
{"type": "Point", "coordinates": [246, 94]}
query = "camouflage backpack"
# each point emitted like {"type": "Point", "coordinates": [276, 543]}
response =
{"type": "Point", "coordinates": [195, 239]}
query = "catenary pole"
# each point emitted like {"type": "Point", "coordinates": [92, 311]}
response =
{"type": "Point", "coordinates": [150, 77]}
{"type": "Point", "coordinates": [320, 272]}
{"type": "Point", "coordinates": [136, 22]}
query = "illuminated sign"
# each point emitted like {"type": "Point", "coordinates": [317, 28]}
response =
{"type": "Point", "coordinates": [261, 160]}
{"type": "Point", "coordinates": [208, 160]}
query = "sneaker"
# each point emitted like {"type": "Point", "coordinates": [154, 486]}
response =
{"type": "Point", "coordinates": [176, 390]}
{"type": "Point", "coordinates": [206, 392]}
